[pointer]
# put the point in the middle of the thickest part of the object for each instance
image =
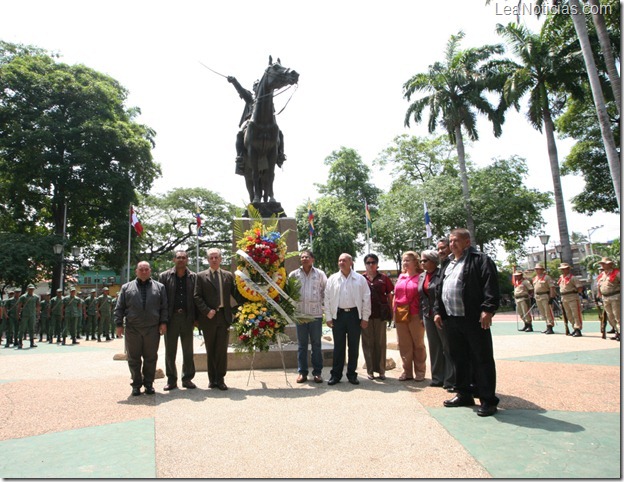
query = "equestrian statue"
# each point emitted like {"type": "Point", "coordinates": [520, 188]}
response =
{"type": "Point", "coordinates": [260, 142]}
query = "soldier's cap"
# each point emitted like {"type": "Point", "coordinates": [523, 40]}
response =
{"type": "Point", "coordinates": [105, 288]}
{"type": "Point", "coordinates": [93, 291]}
{"type": "Point", "coordinates": [10, 290]}
{"type": "Point", "coordinates": [518, 273]}
{"type": "Point", "coordinates": [72, 288]}
{"type": "Point", "coordinates": [564, 266]}
{"type": "Point", "coordinates": [605, 261]}
{"type": "Point", "coordinates": [30, 287]}
{"type": "Point", "coordinates": [59, 290]}
{"type": "Point", "coordinates": [539, 266]}
{"type": "Point", "coordinates": [18, 290]}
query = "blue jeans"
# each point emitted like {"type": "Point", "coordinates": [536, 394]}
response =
{"type": "Point", "coordinates": [312, 331]}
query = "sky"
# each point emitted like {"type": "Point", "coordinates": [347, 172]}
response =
{"type": "Point", "coordinates": [353, 58]}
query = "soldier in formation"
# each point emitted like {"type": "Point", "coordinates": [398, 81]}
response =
{"type": "Point", "coordinates": [544, 289]}
{"type": "Point", "coordinates": [523, 292]}
{"type": "Point", "coordinates": [609, 284]}
{"type": "Point", "coordinates": [570, 287]}
{"type": "Point", "coordinates": [27, 311]}
{"type": "Point", "coordinates": [105, 304]}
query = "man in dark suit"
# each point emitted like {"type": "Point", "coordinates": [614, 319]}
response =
{"type": "Point", "coordinates": [214, 290]}
{"type": "Point", "coordinates": [179, 282]}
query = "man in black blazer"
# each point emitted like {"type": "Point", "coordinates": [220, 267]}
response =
{"type": "Point", "coordinates": [179, 282]}
{"type": "Point", "coordinates": [214, 290]}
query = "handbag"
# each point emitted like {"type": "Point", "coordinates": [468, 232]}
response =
{"type": "Point", "coordinates": [402, 314]}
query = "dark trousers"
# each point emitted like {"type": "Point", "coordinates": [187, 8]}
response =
{"type": "Point", "coordinates": [346, 330]}
{"type": "Point", "coordinates": [471, 346]}
{"type": "Point", "coordinates": [142, 350]}
{"type": "Point", "coordinates": [180, 328]}
{"type": "Point", "coordinates": [216, 338]}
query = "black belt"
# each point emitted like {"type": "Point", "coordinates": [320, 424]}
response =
{"type": "Point", "coordinates": [522, 298]}
{"type": "Point", "coordinates": [346, 310]}
{"type": "Point", "coordinates": [543, 293]}
{"type": "Point", "coordinates": [569, 293]}
{"type": "Point", "coordinates": [610, 295]}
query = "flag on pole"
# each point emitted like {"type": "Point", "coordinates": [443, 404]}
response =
{"type": "Point", "coordinates": [369, 221]}
{"type": "Point", "coordinates": [427, 221]}
{"type": "Point", "coordinates": [310, 220]}
{"type": "Point", "coordinates": [198, 220]}
{"type": "Point", "coordinates": [134, 220]}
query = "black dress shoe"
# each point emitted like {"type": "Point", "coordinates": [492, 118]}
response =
{"type": "Point", "coordinates": [222, 386]}
{"type": "Point", "coordinates": [354, 381]}
{"type": "Point", "coordinates": [136, 391]}
{"type": "Point", "coordinates": [486, 410]}
{"type": "Point", "coordinates": [170, 386]}
{"type": "Point", "coordinates": [460, 401]}
{"type": "Point", "coordinates": [333, 381]}
{"type": "Point", "coordinates": [212, 385]}
{"type": "Point", "coordinates": [149, 390]}
{"type": "Point", "coordinates": [577, 333]}
{"type": "Point", "coordinates": [611, 331]}
{"type": "Point", "coordinates": [189, 384]}
{"type": "Point", "coordinates": [549, 330]}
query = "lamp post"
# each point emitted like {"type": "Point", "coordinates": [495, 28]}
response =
{"type": "Point", "coordinates": [559, 249]}
{"type": "Point", "coordinates": [58, 250]}
{"type": "Point", "coordinates": [544, 240]}
{"type": "Point", "coordinates": [591, 231]}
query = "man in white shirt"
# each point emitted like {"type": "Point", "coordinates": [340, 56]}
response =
{"type": "Point", "coordinates": [312, 281]}
{"type": "Point", "coordinates": [347, 309]}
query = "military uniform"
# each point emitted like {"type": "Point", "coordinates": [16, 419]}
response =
{"type": "Point", "coordinates": [609, 286]}
{"type": "Point", "coordinates": [81, 316]}
{"type": "Point", "coordinates": [569, 286]}
{"type": "Point", "coordinates": [44, 320]}
{"type": "Point", "coordinates": [71, 314]}
{"type": "Point", "coordinates": [523, 290]}
{"type": "Point", "coordinates": [10, 307]}
{"type": "Point", "coordinates": [28, 309]}
{"type": "Point", "coordinates": [91, 309]}
{"type": "Point", "coordinates": [105, 305]}
{"type": "Point", "coordinates": [543, 285]}
{"type": "Point", "coordinates": [56, 317]}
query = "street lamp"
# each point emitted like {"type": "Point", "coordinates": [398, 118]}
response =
{"type": "Point", "coordinates": [590, 231]}
{"type": "Point", "coordinates": [58, 250]}
{"type": "Point", "coordinates": [544, 240]}
{"type": "Point", "coordinates": [559, 250]}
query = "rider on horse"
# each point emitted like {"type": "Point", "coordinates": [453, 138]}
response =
{"type": "Point", "coordinates": [248, 97]}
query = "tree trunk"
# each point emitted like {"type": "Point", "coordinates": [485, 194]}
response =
{"type": "Point", "coordinates": [607, 51]}
{"type": "Point", "coordinates": [464, 180]}
{"type": "Point", "coordinates": [603, 118]}
{"type": "Point", "coordinates": [564, 238]}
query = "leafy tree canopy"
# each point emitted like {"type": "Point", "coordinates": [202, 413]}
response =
{"type": "Point", "coordinates": [169, 224]}
{"type": "Point", "coordinates": [69, 144]}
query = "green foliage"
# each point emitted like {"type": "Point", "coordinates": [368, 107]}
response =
{"type": "Point", "coordinates": [169, 224]}
{"type": "Point", "coordinates": [25, 258]}
{"type": "Point", "coordinates": [336, 231]}
{"type": "Point", "coordinates": [67, 140]}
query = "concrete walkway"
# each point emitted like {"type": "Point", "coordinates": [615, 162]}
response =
{"type": "Point", "coordinates": [67, 412]}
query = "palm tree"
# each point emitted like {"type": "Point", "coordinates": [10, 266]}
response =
{"type": "Point", "coordinates": [456, 91]}
{"type": "Point", "coordinates": [545, 75]}
{"type": "Point", "coordinates": [613, 158]}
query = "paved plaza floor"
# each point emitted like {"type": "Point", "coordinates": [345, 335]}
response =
{"type": "Point", "coordinates": [66, 412]}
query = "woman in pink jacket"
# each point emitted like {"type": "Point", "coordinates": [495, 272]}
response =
{"type": "Point", "coordinates": [410, 328]}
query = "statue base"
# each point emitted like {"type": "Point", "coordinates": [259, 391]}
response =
{"type": "Point", "coordinates": [267, 210]}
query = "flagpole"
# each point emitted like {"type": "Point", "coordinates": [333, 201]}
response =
{"type": "Point", "coordinates": [129, 241]}
{"type": "Point", "coordinates": [197, 252]}
{"type": "Point", "coordinates": [367, 227]}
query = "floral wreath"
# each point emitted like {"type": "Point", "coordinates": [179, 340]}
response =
{"type": "Point", "coordinates": [262, 319]}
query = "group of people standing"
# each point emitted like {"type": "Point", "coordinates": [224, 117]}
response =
{"type": "Point", "coordinates": [61, 317]}
{"type": "Point", "coordinates": [543, 289]}
{"type": "Point", "coordinates": [171, 307]}
{"type": "Point", "coordinates": [451, 294]}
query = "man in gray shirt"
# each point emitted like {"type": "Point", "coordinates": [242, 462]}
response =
{"type": "Point", "coordinates": [143, 304]}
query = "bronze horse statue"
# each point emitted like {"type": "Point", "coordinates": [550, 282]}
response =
{"type": "Point", "coordinates": [261, 138]}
